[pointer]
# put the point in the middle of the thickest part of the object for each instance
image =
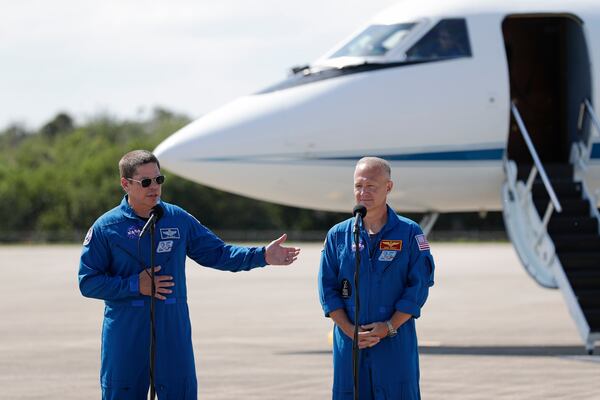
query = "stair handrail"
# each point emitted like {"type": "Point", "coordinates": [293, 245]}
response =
{"type": "Point", "coordinates": [586, 106]}
{"type": "Point", "coordinates": [538, 164]}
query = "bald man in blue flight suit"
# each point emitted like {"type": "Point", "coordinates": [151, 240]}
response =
{"type": "Point", "coordinates": [113, 267]}
{"type": "Point", "coordinates": [396, 272]}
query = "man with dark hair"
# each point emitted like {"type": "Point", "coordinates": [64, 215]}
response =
{"type": "Point", "coordinates": [113, 268]}
{"type": "Point", "coordinates": [396, 272]}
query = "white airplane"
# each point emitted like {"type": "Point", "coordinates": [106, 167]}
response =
{"type": "Point", "coordinates": [478, 106]}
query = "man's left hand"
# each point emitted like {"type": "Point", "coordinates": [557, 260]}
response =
{"type": "Point", "coordinates": [276, 254]}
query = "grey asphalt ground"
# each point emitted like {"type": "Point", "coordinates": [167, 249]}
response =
{"type": "Point", "coordinates": [487, 332]}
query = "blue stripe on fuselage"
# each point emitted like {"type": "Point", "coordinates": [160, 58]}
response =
{"type": "Point", "coordinates": [459, 155]}
{"type": "Point", "coordinates": [494, 154]}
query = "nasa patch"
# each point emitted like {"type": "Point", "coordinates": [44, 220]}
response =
{"type": "Point", "coordinates": [133, 232]}
{"type": "Point", "coordinates": [361, 246]}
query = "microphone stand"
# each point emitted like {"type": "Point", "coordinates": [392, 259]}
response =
{"type": "Point", "coordinates": [152, 330]}
{"type": "Point", "coordinates": [356, 233]}
{"type": "Point", "coordinates": [155, 215]}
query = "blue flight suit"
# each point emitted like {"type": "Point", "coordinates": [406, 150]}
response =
{"type": "Point", "coordinates": [109, 269]}
{"type": "Point", "coordinates": [396, 272]}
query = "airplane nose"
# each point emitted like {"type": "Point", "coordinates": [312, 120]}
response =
{"type": "Point", "coordinates": [223, 133]}
{"type": "Point", "coordinates": [249, 130]}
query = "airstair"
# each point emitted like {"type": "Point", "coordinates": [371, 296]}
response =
{"type": "Point", "coordinates": [553, 222]}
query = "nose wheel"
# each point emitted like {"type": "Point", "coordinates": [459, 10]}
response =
{"type": "Point", "coordinates": [589, 347]}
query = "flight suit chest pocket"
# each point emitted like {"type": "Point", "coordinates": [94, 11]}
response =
{"type": "Point", "coordinates": [390, 261]}
{"type": "Point", "coordinates": [346, 261]}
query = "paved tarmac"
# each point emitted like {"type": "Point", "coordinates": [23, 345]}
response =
{"type": "Point", "coordinates": [487, 332]}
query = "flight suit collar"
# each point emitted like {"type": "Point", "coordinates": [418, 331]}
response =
{"type": "Point", "coordinates": [392, 220]}
{"type": "Point", "coordinates": [127, 211]}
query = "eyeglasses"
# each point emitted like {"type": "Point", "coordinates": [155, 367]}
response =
{"type": "Point", "coordinates": [148, 181]}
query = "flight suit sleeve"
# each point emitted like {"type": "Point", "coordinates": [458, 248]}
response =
{"type": "Point", "coordinates": [329, 288]}
{"type": "Point", "coordinates": [420, 275]}
{"type": "Point", "coordinates": [94, 278]}
{"type": "Point", "coordinates": [207, 249]}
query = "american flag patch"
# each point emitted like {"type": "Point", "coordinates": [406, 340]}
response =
{"type": "Point", "coordinates": [422, 242]}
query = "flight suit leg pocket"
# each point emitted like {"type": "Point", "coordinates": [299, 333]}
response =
{"type": "Point", "coordinates": [120, 390]}
{"type": "Point", "coordinates": [179, 389]}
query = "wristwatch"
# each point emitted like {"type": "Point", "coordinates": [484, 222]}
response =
{"type": "Point", "coordinates": [391, 331]}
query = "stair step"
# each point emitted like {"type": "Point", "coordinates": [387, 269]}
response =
{"type": "Point", "coordinates": [576, 261]}
{"type": "Point", "coordinates": [570, 207]}
{"type": "Point", "coordinates": [567, 243]}
{"type": "Point", "coordinates": [564, 188]}
{"type": "Point", "coordinates": [572, 225]}
{"type": "Point", "coordinates": [552, 170]}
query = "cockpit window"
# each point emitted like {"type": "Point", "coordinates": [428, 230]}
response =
{"type": "Point", "coordinates": [447, 39]}
{"type": "Point", "coordinates": [376, 40]}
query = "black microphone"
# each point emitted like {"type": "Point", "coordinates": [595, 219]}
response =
{"type": "Point", "coordinates": [156, 213]}
{"type": "Point", "coordinates": [359, 211]}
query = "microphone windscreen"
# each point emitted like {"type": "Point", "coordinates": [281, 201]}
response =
{"type": "Point", "coordinates": [360, 209]}
{"type": "Point", "coordinates": [158, 211]}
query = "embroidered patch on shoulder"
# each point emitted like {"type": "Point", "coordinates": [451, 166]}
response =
{"type": "Point", "coordinates": [169, 233]}
{"type": "Point", "coordinates": [88, 236]}
{"type": "Point", "coordinates": [387, 255]}
{"type": "Point", "coordinates": [422, 242]}
{"type": "Point", "coordinates": [390, 245]}
{"type": "Point", "coordinates": [165, 246]}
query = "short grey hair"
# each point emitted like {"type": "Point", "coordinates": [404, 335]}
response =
{"type": "Point", "coordinates": [130, 161]}
{"type": "Point", "coordinates": [376, 162]}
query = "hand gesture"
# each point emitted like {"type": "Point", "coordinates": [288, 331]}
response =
{"type": "Point", "coordinates": [276, 254]}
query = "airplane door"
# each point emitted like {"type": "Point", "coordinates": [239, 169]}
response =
{"type": "Point", "coordinates": [549, 71]}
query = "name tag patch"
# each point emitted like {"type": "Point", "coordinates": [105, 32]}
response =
{"type": "Point", "coordinates": [165, 246]}
{"type": "Point", "coordinates": [169, 233]}
{"type": "Point", "coordinates": [387, 255]}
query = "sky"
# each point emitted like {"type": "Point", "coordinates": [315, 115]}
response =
{"type": "Point", "coordinates": [124, 57]}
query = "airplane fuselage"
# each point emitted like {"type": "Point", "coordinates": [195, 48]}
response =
{"type": "Point", "coordinates": [442, 123]}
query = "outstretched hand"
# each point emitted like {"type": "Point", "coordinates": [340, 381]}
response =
{"type": "Point", "coordinates": [276, 254]}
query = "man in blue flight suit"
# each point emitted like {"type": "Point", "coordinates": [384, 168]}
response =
{"type": "Point", "coordinates": [396, 272]}
{"type": "Point", "coordinates": [113, 268]}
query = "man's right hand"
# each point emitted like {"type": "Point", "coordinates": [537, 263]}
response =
{"type": "Point", "coordinates": [161, 283]}
{"type": "Point", "coordinates": [365, 338]}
